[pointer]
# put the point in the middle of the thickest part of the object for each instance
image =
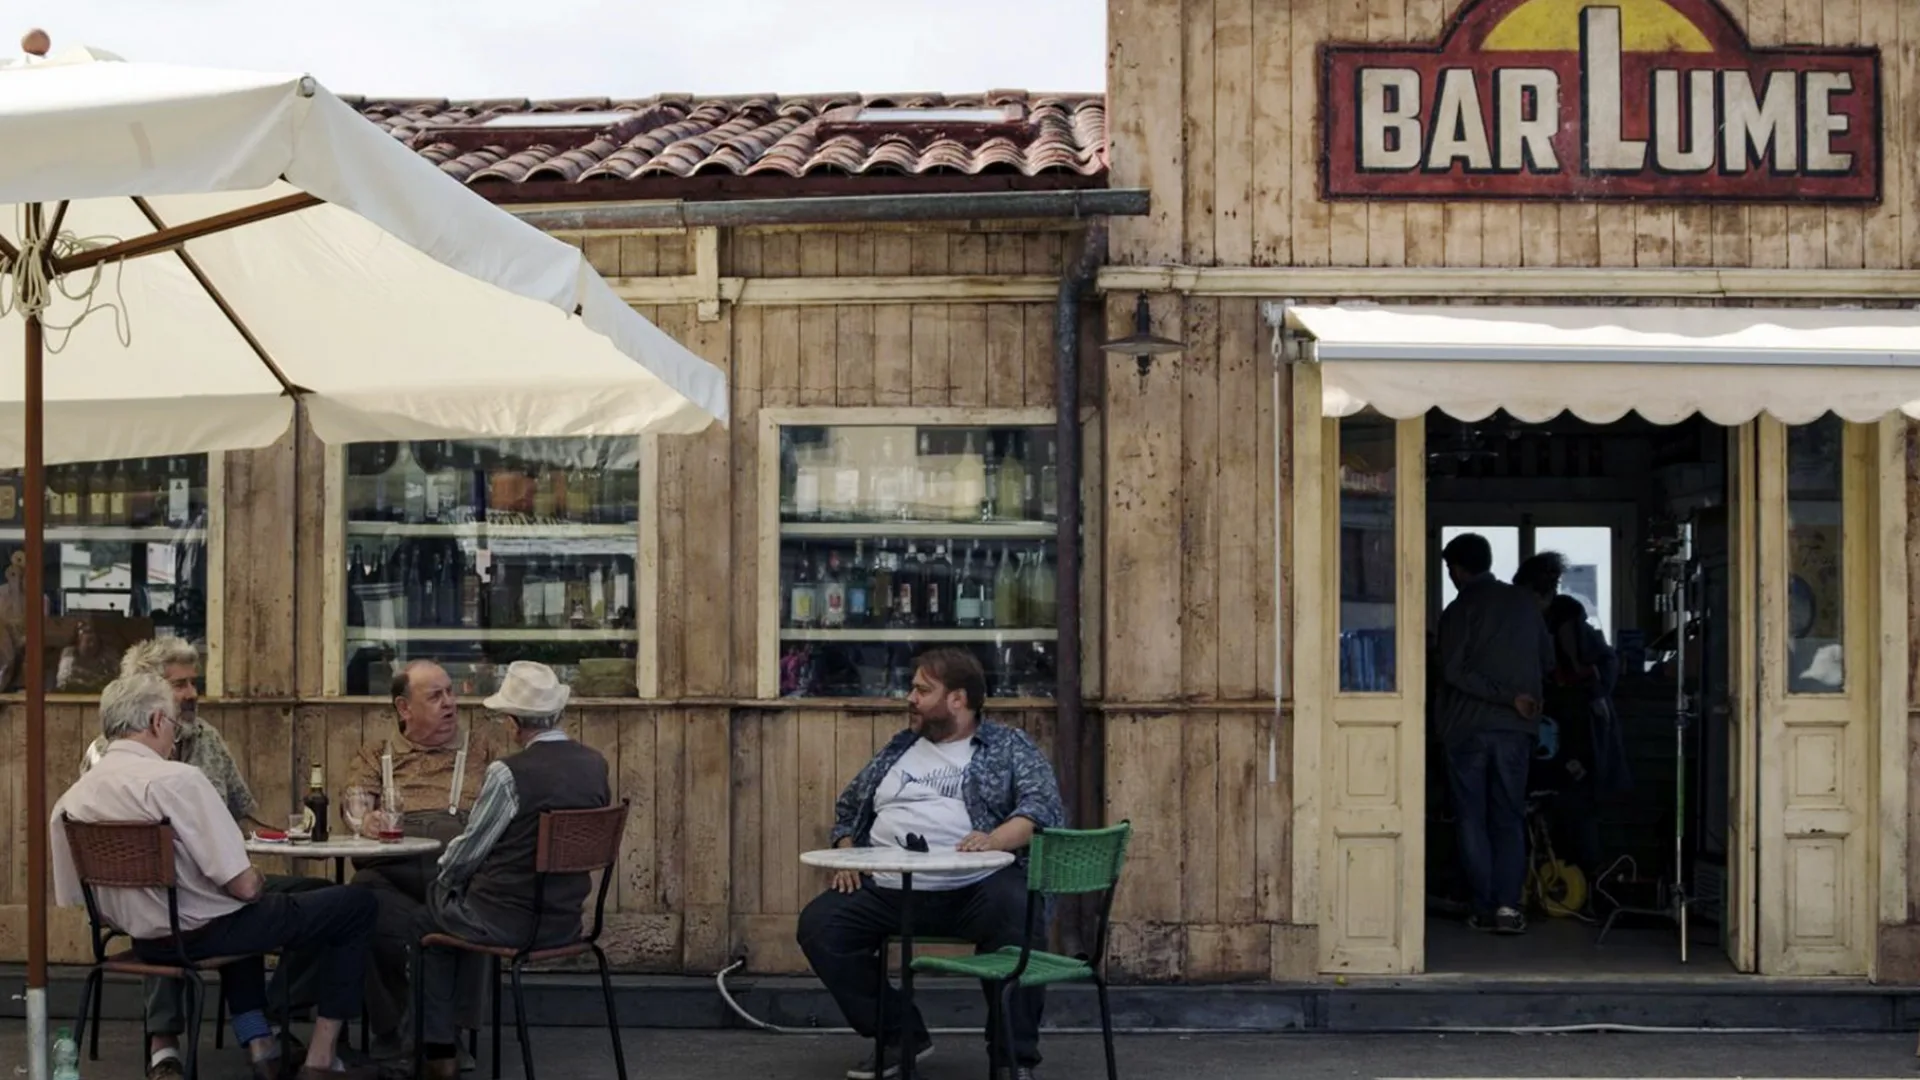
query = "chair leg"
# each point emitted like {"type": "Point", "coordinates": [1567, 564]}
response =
{"type": "Point", "coordinates": [880, 1013]}
{"type": "Point", "coordinates": [99, 984]}
{"type": "Point", "coordinates": [87, 990]}
{"type": "Point", "coordinates": [196, 995]}
{"type": "Point", "coordinates": [1106, 1026]}
{"type": "Point", "coordinates": [613, 1016]}
{"type": "Point", "coordinates": [417, 964]}
{"type": "Point", "coordinates": [497, 990]}
{"type": "Point", "coordinates": [520, 1022]}
{"type": "Point", "coordinates": [993, 1030]}
{"type": "Point", "coordinates": [1007, 1058]}
{"type": "Point", "coordinates": [220, 1017]}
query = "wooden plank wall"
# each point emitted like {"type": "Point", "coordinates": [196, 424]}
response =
{"type": "Point", "coordinates": [1214, 105]}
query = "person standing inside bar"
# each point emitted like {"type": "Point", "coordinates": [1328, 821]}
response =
{"type": "Point", "coordinates": [1494, 655]}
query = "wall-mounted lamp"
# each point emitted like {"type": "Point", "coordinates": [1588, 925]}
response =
{"type": "Point", "coordinates": [1143, 344]}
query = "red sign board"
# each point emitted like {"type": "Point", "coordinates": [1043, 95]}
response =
{"type": "Point", "coordinates": [1649, 100]}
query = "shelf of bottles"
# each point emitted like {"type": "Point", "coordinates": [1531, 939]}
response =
{"type": "Point", "coordinates": [126, 546]}
{"type": "Point", "coordinates": [897, 539]}
{"type": "Point", "coordinates": [475, 554]}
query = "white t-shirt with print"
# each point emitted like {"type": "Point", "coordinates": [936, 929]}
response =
{"type": "Point", "coordinates": [922, 794]}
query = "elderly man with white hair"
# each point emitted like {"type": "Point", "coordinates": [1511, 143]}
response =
{"type": "Point", "coordinates": [223, 907]}
{"type": "Point", "coordinates": [484, 890]}
{"type": "Point", "coordinates": [200, 745]}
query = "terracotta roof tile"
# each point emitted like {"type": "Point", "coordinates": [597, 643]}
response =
{"type": "Point", "coordinates": [676, 145]}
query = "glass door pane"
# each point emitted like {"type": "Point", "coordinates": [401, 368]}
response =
{"type": "Point", "coordinates": [1589, 578]}
{"type": "Point", "coordinates": [1368, 570]}
{"type": "Point", "coordinates": [1816, 617]}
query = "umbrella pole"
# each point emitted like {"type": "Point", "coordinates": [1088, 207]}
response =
{"type": "Point", "coordinates": [35, 497]}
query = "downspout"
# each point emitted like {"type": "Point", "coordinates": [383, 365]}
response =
{"type": "Point", "coordinates": [1067, 433]}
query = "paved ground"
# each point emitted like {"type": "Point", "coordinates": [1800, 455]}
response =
{"type": "Point", "coordinates": [579, 1054]}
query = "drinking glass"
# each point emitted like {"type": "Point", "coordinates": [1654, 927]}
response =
{"type": "Point", "coordinates": [355, 805]}
{"type": "Point", "coordinates": [297, 830]}
{"type": "Point", "coordinates": [391, 816]}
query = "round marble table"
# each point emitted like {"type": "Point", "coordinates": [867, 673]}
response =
{"type": "Point", "coordinates": [890, 860]}
{"type": "Point", "coordinates": [354, 847]}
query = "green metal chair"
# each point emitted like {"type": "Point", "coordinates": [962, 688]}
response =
{"type": "Point", "coordinates": [1059, 862]}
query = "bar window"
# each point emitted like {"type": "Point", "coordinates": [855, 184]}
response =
{"type": "Point", "coordinates": [477, 553]}
{"type": "Point", "coordinates": [1816, 578]}
{"type": "Point", "coordinates": [126, 560]}
{"type": "Point", "coordinates": [894, 539]}
{"type": "Point", "coordinates": [1368, 573]}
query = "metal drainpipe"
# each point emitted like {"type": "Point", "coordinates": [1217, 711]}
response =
{"type": "Point", "coordinates": [1067, 432]}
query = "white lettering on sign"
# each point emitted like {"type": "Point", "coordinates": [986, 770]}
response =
{"type": "Point", "coordinates": [1606, 149]}
{"type": "Point", "coordinates": [1459, 125]}
{"type": "Point", "coordinates": [1823, 124]}
{"type": "Point", "coordinates": [1389, 118]}
{"type": "Point", "coordinates": [1753, 128]}
{"type": "Point", "coordinates": [1526, 115]}
{"type": "Point", "coordinates": [1683, 144]}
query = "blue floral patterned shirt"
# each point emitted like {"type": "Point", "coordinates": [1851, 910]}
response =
{"type": "Point", "coordinates": [1008, 778]}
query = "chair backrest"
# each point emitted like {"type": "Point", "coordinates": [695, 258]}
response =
{"type": "Point", "coordinates": [580, 841]}
{"type": "Point", "coordinates": [1063, 861]}
{"type": "Point", "coordinates": [121, 854]}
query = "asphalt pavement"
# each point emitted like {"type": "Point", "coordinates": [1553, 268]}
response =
{"type": "Point", "coordinates": [580, 1053]}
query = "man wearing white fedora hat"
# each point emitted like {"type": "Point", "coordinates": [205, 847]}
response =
{"type": "Point", "coordinates": [485, 887]}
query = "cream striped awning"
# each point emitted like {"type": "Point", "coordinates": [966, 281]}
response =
{"type": "Point", "coordinates": [1600, 363]}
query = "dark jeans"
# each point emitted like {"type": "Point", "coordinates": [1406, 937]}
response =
{"type": "Point", "coordinates": [333, 922]}
{"type": "Point", "coordinates": [1488, 774]}
{"type": "Point", "coordinates": [389, 968]}
{"type": "Point", "coordinates": [841, 933]}
{"type": "Point", "coordinates": [166, 1008]}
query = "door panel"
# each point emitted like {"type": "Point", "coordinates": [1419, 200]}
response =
{"type": "Point", "coordinates": [1814, 837]}
{"type": "Point", "coordinates": [1373, 745]}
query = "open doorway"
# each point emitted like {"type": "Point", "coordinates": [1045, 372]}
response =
{"type": "Point", "coordinates": [1640, 514]}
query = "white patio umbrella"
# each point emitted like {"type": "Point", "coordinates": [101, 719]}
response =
{"type": "Point", "coordinates": [186, 251]}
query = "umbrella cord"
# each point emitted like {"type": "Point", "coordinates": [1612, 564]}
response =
{"type": "Point", "coordinates": [33, 284]}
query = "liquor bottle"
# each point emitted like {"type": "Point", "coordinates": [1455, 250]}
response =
{"type": "Point", "coordinates": [51, 516]}
{"type": "Point", "coordinates": [450, 588]}
{"type": "Point", "coordinates": [969, 484]}
{"type": "Point", "coordinates": [543, 492]}
{"type": "Point", "coordinates": [533, 596]}
{"type": "Point", "coordinates": [906, 589]}
{"type": "Point", "coordinates": [880, 596]}
{"type": "Point", "coordinates": [597, 597]}
{"type": "Point", "coordinates": [554, 606]}
{"type": "Point", "coordinates": [10, 509]}
{"type": "Point", "coordinates": [938, 586]}
{"type": "Point", "coordinates": [503, 483]}
{"type": "Point", "coordinates": [579, 599]}
{"type": "Point", "coordinates": [1006, 592]}
{"type": "Point", "coordinates": [419, 584]}
{"type": "Point", "coordinates": [859, 582]}
{"type": "Point", "coordinates": [889, 485]}
{"type": "Point", "coordinates": [98, 483]}
{"type": "Point", "coordinates": [988, 594]}
{"type": "Point", "coordinates": [469, 592]}
{"type": "Point", "coordinates": [966, 592]}
{"type": "Point", "coordinates": [926, 478]}
{"type": "Point", "coordinates": [1050, 486]}
{"type": "Point", "coordinates": [833, 595]}
{"type": "Point", "coordinates": [117, 513]}
{"type": "Point", "coordinates": [442, 485]}
{"type": "Point", "coordinates": [844, 501]}
{"type": "Point", "coordinates": [1039, 594]}
{"type": "Point", "coordinates": [801, 607]}
{"type": "Point", "coordinates": [806, 486]}
{"type": "Point", "coordinates": [316, 803]}
{"type": "Point", "coordinates": [940, 499]}
{"type": "Point", "coordinates": [179, 496]}
{"type": "Point", "coordinates": [504, 596]}
{"type": "Point", "coordinates": [356, 580]}
{"type": "Point", "coordinates": [140, 494]}
{"type": "Point", "coordinates": [71, 497]}
{"type": "Point", "coordinates": [1009, 498]}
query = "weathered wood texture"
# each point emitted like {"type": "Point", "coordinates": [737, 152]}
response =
{"type": "Point", "coordinates": [1215, 104]}
{"type": "Point", "coordinates": [1208, 884]}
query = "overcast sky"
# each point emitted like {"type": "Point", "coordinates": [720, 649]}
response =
{"type": "Point", "coordinates": [561, 48]}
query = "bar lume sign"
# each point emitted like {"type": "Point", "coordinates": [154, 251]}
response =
{"type": "Point", "coordinates": [1600, 100]}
